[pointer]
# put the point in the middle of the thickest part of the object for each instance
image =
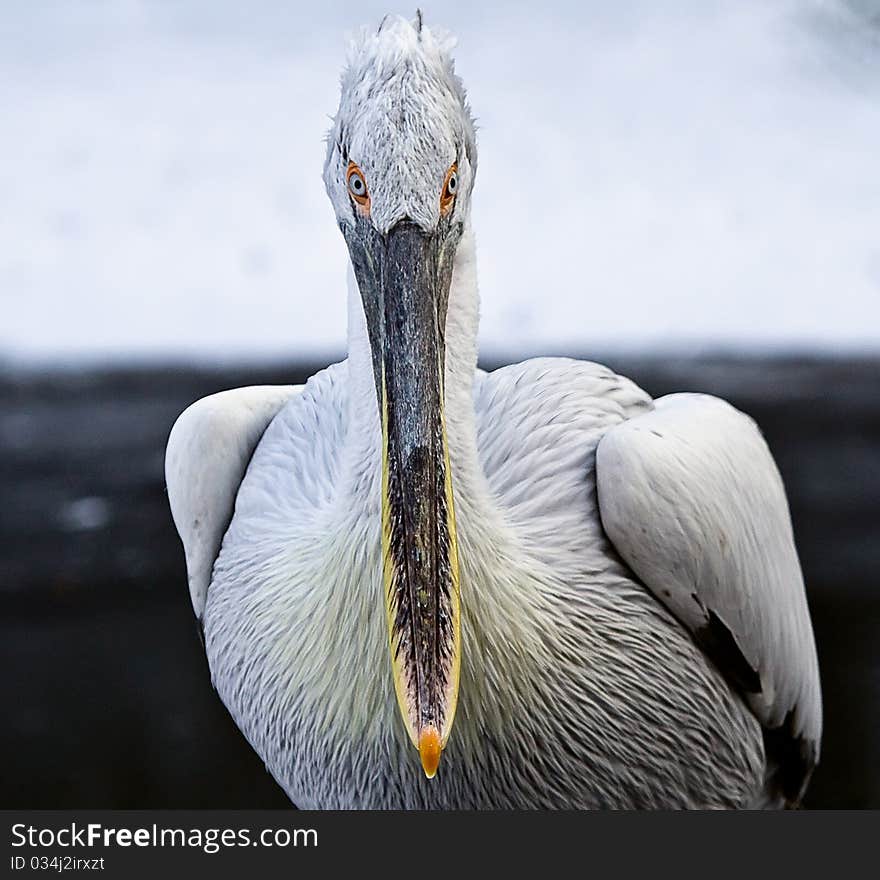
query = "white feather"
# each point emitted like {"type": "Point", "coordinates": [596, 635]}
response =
{"type": "Point", "coordinates": [692, 500]}
{"type": "Point", "coordinates": [208, 450]}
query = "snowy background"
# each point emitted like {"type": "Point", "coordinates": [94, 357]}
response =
{"type": "Point", "coordinates": [652, 175]}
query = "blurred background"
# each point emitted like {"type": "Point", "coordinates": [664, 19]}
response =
{"type": "Point", "coordinates": [687, 191]}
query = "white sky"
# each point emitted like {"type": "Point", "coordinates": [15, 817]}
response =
{"type": "Point", "coordinates": [651, 174]}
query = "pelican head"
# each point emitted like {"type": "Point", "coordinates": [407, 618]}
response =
{"type": "Point", "coordinates": [400, 167]}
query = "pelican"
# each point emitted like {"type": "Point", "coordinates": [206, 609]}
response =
{"type": "Point", "coordinates": [577, 596]}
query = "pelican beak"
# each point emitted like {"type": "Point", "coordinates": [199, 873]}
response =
{"type": "Point", "coordinates": [404, 278]}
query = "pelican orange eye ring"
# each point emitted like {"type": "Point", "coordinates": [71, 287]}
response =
{"type": "Point", "coordinates": [450, 188]}
{"type": "Point", "coordinates": [357, 187]}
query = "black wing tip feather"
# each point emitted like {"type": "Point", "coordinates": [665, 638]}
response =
{"type": "Point", "coordinates": [790, 756]}
{"type": "Point", "coordinates": [791, 759]}
{"type": "Point", "coordinates": [718, 643]}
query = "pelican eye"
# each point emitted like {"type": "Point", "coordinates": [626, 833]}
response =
{"type": "Point", "coordinates": [357, 186]}
{"type": "Point", "coordinates": [450, 188]}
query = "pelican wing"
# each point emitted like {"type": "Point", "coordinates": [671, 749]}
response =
{"type": "Point", "coordinates": [691, 498]}
{"type": "Point", "coordinates": [208, 452]}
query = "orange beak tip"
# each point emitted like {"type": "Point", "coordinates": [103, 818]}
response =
{"type": "Point", "coordinates": [429, 750]}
